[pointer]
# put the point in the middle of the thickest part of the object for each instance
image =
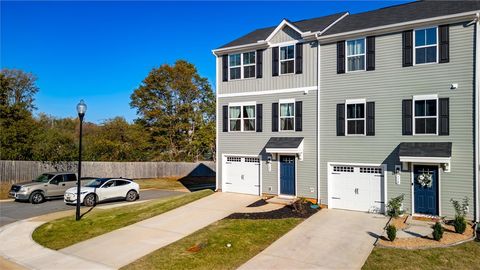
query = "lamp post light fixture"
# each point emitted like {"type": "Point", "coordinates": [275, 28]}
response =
{"type": "Point", "coordinates": [81, 109]}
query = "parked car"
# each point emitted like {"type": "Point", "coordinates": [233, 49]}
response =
{"type": "Point", "coordinates": [46, 186]}
{"type": "Point", "coordinates": [104, 189]}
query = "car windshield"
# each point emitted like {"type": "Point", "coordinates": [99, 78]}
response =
{"type": "Point", "coordinates": [96, 183]}
{"type": "Point", "coordinates": [44, 178]}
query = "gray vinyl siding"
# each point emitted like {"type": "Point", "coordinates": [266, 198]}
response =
{"type": "Point", "coordinates": [387, 86]}
{"type": "Point", "coordinates": [253, 143]}
{"type": "Point", "coordinates": [285, 35]}
{"type": "Point", "coordinates": [268, 82]}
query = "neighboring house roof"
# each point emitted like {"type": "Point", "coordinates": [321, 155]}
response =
{"type": "Point", "coordinates": [401, 13]}
{"type": "Point", "coordinates": [310, 25]}
{"type": "Point", "coordinates": [284, 142]}
{"type": "Point", "coordinates": [425, 149]}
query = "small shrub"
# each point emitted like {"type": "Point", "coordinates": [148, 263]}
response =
{"type": "Point", "coordinates": [391, 232]}
{"type": "Point", "coordinates": [460, 224]}
{"type": "Point", "coordinates": [437, 231]}
{"type": "Point", "coordinates": [394, 206]}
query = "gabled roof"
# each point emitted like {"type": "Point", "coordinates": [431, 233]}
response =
{"type": "Point", "coordinates": [401, 13]}
{"type": "Point", "coordinates": [310, 25]}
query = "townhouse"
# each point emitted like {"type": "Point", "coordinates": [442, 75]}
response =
{"type": "Point", "coordinates": [351, 110]}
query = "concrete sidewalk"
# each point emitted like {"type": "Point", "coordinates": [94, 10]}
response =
{"type": "Point", "coordinates": [123, 246]}
{"type": "Point", "coordinates": [330, 239]}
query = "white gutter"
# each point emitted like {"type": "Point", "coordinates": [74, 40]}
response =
{"type": "Point", "coordinates": [398, 26]}
{"type": "Point", "coordinates": [259, 43]}
{"type": "Point", "coordinates": [216, 125]}
{"type": "Point", "coordinates": [318, 122]}
{"type": "Point", "coordinates": [477, 120]}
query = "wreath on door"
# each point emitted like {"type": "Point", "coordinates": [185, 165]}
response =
{"type": "Point", "coordinates": [425, 179]}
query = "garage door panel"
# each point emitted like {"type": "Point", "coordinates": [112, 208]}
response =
{"type": "Point", "coordinates": [242, 175]}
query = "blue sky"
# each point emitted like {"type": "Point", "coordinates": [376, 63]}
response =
{"type": "Point", "coordinates": [101, 51]}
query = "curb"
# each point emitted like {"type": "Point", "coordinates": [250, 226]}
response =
{"type": "Point", "coordinates": [7, 200]}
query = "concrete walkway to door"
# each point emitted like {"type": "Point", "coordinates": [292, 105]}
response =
{"type": "Point", "coordinates": [330, 239]}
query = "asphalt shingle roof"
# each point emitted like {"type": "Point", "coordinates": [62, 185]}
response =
{"type": "Point", "coordinates": [284, 142]}
{"type": "Point", "coordinates": [425, 149]}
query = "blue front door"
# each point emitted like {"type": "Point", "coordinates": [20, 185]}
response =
{"type": "Point", "coordinates": [287, 175]}
{"type": "Point", "coordinates": [425, 189]}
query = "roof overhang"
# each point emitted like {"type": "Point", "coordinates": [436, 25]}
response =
{"type": "Point", "coordinates": [261, 44]}
{"type": "Point", "coordinates": [426, 152]}
{"type": "Point", "coordinates": [285, 145]}
{"type": "Point", "coordinates": [397, 27]}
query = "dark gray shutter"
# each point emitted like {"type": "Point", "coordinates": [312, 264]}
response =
{"type": "Point", "coordinates": [298, 58]}
{"type": "Point", "coordinates": [274, 117]}
{"type": "Point", "coordinates": [370, 53]}
{"type": "Point", "coordinates": [275, 61]}
{"type": "Point", "coordinates": [225, 118]}
{"type": "Point", "coordinates": [407, 48]}
{"type": "Point", "coordinates": [443, 38]}
{"type": "Point", "coordinates": [225, 68]}
{"type": "Point", "coordinates": [370, 119]}
{"type": "Point", "coordinates": [407, 117]}
{"type": "Point", "coordinates": [259, 63]}
{"type": "Point", "coordinates": [444, 116]}
{"type": "Point", "coordinates": [259, 117]}
{"type": "Point", "coordinates": [341, 57]}
{"type": "Point", "coordinates": [341, 119]}
{"type": "Point", "coordinates": [298, 116]}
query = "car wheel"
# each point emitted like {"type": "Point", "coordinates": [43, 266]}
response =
{"type": "Point", "coordinates": [37, 197]}
{"type": "Point", "coordinates": [131, 196]}
{"type": "Point", "coordinates": [90, 200]}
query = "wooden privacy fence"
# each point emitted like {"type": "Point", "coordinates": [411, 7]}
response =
{"type": "Point", "coordinates": [12, 171]}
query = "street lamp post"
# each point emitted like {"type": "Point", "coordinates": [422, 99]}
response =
{"type": "Point", "coordinates": [81, 109]}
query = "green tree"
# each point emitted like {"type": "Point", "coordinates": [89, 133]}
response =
{"type": "Point", "coordinates": [176, 107]}
{"type": "Point", "coordinates": [17, 91]}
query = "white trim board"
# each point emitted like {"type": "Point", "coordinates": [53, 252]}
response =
{"type": "Point", "coordinates": [269, 92]}
{"type": "Point", "coordinates": [280, 27]}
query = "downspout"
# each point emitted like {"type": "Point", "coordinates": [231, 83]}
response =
{"type": "Point", "coordinates": [216, 124]}
{"type": "Point", "coordinates": [477, 114]}
{"type": "Point", "coordinates": [318, 121]}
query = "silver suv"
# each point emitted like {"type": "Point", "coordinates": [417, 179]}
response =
{"type": "Point", "coordinates": [47, 185]}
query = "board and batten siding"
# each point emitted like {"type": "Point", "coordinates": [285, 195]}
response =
{"type": "Point", "coordinates": [387, 86]}
{"type": "Point", "coordinates": [253, 143]}
{"type": "Point", "coordinates": [268, 82]}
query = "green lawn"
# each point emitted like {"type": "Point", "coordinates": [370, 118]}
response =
{"type": "Point", "coordinates": [160, 183]}
{"type": "Point", "coordinates": [66, 231]}
{"type": "Point", "coordinates": [464, 256]}
{"type": "Point", "coordinates": [247, 238]}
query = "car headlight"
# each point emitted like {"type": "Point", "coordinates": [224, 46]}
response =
{"type": "Point", "coordinates": [23, 189]}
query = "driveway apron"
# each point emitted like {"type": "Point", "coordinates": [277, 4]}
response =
{"type": "Point", "coordinates": [330, 239]}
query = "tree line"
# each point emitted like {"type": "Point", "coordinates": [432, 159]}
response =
{"type": "Point", "coordinates": [175, 122]}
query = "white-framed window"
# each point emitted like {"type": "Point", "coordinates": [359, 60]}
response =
{"type": "Point", "coordinates": [355, 54]}
{"type": "Point", "coordinates": [355, 117]}
{"type": "Point", "coordinates": [242, 117]}
{"type": "Point", "coordinates": [287, 59]}
{"type": "Point", "coordinates": [426, 45]}
{"type": "Point", "coordinates": [242, 65]}
{"type": "Point", "coordinates": [287, 114]}
{"type": "Point", "coordinates": [425, 120]}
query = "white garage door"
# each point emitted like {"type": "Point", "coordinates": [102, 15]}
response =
{"type": "Point", "coordinates": [242, 175]}
{"type": "Point", "coordinates": [358, 188]}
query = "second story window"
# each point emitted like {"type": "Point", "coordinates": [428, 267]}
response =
{"type": "Point", "coordinates": [241, 65]}
{"type": "Point", "coordinates": [242, 117]}
{"type": "Point", "coordinates": [356, 119]}
{"type": "Point", "coordinates": [287, 116]}
{"type": "Point", "coordinates": [426, 46]}
{"type": "Point", "coordinates": [356, 54]}
{"type": "Point", "coordinates": [287, 59]}
{"type": "Point", "coordinates": [425, 120]}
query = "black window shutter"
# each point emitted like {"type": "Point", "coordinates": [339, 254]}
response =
{"type": "Point", "coordinates": [275, 61]}
{"type": "Point", "coordinates": [259, 63]}
{"type": "Point", "coordinates": [370, 119]}
{"type": "Point", "coordinates": [341, 57]}
{"type": "Point", "coordinates": [443, 38]}
{"type": "Point", "coordinates": [225, 118]}
{"type": "Point", "coordinates": [341, 119]}
{"type": "Point", "coordinates": [444, 114]}
{"type": "Point", "coordinates": [407, 117]}
{"type": "Point", "coordinates": [259, 117]}
{"type": "Point", "coordinates": [298, 58]}
{"type": "Point", "coordinates": [407, 48]}
{"type": "Point", "coordinates": [371, 53]}
{"type": "Point", "coordinates": [274, 117]}
{"type": "Point", "coordinates": [225, 68]}
{"type": "Point", "coordinates": [298, 116]}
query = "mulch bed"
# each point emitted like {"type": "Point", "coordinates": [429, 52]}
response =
{"type": "Point", "coordinates": [297, 210]}
{"type": "Point", "coordinates": [258, 203]}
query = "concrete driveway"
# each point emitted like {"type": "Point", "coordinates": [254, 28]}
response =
{"type": "Point", "coordinates": [330, 239]}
